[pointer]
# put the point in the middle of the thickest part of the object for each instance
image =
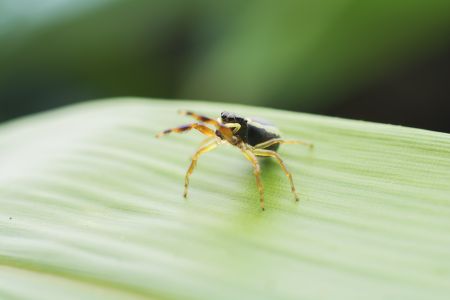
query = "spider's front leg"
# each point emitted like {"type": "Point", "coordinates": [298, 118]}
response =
{"type": "Point", "coordinates": [198, 126]}
{"type": "Point", "coordinates": [226, 132]}
{"type": "Point", "coordinates": [203, 149]}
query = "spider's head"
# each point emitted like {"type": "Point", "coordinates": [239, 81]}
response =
{"type": "Point", "coordinates": [228, 117]}
{"type": "Point", "coordinates": [235, 122]}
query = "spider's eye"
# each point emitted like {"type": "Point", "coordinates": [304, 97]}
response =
{"type": "Point", "coordinates": [226, 117]}
{"type": "Point", "coordinates": [224, 114]}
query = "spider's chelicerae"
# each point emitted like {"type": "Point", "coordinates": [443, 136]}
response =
{"type": "Point", "coordinates": [254, 137]}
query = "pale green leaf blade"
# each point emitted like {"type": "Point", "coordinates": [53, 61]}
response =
{"type": "Point", "coordinates": [92, 208]}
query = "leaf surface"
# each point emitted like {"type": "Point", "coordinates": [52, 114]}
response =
{"type": "Point", "coordinates": [92, 208]}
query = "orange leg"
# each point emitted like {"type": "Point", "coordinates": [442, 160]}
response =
{"type": "Point", "coordinates": [226, 132]}
{"type": "Point", "coordinates": [200, 127]}
{"type": "Point", "coordinates": [198, 117]}
{"type": "Point", "coordinates": [207, 140]}
{"type": "Point", "coordinates": [262, 152]}
{"type": "Point", "coordinates": [203, 149]}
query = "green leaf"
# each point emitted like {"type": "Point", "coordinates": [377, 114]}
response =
{"type": "Point", "coordinates": [92, 208]}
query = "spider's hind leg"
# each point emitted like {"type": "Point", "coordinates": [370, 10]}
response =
{"type": "Point", "coordinates": [271, 142]}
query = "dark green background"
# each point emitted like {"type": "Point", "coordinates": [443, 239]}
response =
{"type": "Point", "coordinates": [386, 61]}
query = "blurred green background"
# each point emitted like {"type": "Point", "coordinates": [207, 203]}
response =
{"type": "Point", "coordinates": [385, 61]}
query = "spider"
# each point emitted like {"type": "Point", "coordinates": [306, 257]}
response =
{"type": "Point", "coordinates": [253, 137]}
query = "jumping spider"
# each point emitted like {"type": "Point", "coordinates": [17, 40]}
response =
{"type": "Point", "coordinates": [254, 137]}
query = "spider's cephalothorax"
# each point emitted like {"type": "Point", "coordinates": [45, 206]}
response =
{"type": "Point", "coordinates": [254, 137]}
{"type": "Point", "coordinates": [252, 131]}
{"type": "Point", "coordinates": [237, 123]}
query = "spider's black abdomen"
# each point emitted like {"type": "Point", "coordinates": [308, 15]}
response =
{"type": "Point", "coordinates": [260, 131]}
